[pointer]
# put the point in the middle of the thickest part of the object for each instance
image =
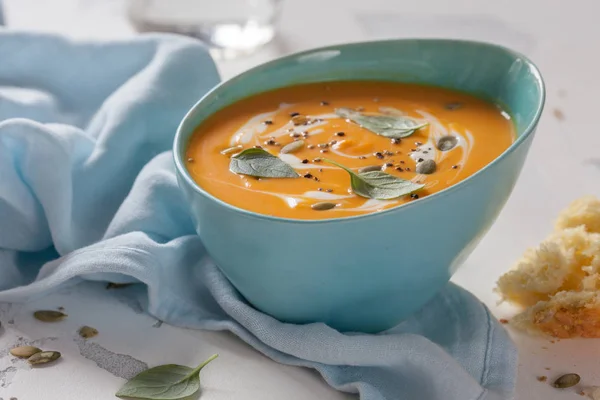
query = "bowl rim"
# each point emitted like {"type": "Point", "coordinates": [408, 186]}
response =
{"type": "Point", "coordinates": [529, 129]}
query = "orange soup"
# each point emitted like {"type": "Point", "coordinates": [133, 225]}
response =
{"type": "Point", "coordinates": [338, 149]}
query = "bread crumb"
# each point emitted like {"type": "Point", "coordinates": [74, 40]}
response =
{"type": "Point", "coordinates": [581, 393]}
{"type": "Point", "coordinates": [542, 378]}
{"type": "Point", "coordinates": [558, 114]}
{"type": "Point", "coordinates": [503, 321]}
{"type": "Point", "coordinates": [547, 369]}
{"type": "Point", "coordinates": [558, 282]}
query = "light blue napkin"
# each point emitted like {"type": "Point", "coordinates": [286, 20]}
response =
{"type": "Point", "coordinates": [88, 191]}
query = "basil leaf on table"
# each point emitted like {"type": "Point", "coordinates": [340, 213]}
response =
{"type": "Point", "coordinates": [165, 382]}
{"type": "Point", "coordinates": [261, 163]}
{"type": "Point", "coordinates": [378, 185]}
{"type": "Point", "coordinates": [390, 126]}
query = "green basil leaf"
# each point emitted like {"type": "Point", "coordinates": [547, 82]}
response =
{"type": "Point", "coordinates": [165, 382]}
{"type": "Point", "coordinates": [390, 126]}
{"type": "Point", "coordinates": [377, 184]}
{"type": "Point", "coordinates": [261, 163]}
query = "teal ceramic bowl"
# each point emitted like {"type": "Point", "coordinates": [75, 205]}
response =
{"type": "Point", "coordinates": [366, 273]}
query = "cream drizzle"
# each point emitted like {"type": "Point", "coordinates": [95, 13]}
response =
{"type": "Point", "coordinates": [254, 130]}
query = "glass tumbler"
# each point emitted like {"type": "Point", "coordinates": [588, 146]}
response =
{"type": "Point", "coordinates": [229, 27]}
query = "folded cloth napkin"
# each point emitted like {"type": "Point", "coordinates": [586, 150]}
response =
{"type": "Point", "coordinates": [88, 192]}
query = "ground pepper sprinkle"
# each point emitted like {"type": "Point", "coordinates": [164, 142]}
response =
{"type": "Point", "coordinates": [268, 122]}
{"type": "Point", "coordinates": [340, 134]}
{"type": "Point", "coordinates": [542, 378]}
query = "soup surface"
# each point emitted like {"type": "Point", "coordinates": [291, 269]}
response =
{"type": "Point", "coordinates": [454, 136]}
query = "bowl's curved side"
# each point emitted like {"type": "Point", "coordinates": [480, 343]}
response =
{"type": "Point", "coordinates": [368, 272]}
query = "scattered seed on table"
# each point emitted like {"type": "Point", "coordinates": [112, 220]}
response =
{"type": "Point", "coordinates": [87, 332]}
{"type": "Point", "coordinates": [44, 357]}
{"type": "Point", "coordinates": [24, 351]}
{"type": "Point", "coordinates": [49, 315]}
{"type": "Point", "coordinates": [566, 381]}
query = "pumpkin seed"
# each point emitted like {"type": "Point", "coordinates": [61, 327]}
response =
{"type": "Point", "coordinates": [369, 168]}
{"type": "Point", "coordinates": [426, 167]}
{"type": "Point", "coordinates": [292, 147]}
{"type": "Point", "coordinates": [323, 206]}
{"type": "Point", "coordinates": [49, 315]}
{"type": "Point", "coordinates": [44, 357]}
{"type": "Point", "coordinates": [87, 332]}
{"type": "Point", "coordinates": [299, 119]}
{"type": "Point", "coordinates": [230, 150]}
{"type": "Point", "coordinates": [447, 143]}
{"type": "Point", "coordinates": [24, 351]}
{"type": "Point", "coordinates": [567, 381]}
{"type": "Point", "coordinates": [112, 285]}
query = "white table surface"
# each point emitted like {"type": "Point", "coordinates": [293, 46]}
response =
{"type": "Point", "coordinates": [561, 37]}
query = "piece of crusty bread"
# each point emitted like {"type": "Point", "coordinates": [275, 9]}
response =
{"type": "Point", "coordinates": [559, 281]}
{"type": "Point", "coordinates": [565, 315]}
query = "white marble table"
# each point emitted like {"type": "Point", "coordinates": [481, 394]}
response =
{"type": "Point", "coordinates": [564, 163]}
